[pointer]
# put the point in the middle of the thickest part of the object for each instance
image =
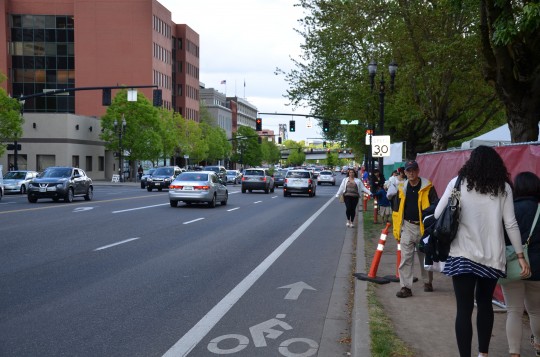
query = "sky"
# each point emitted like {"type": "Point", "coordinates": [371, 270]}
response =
{"type": "Point", "coordinates": [245, 41]}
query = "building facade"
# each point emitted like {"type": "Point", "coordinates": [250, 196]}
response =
{"type": "Point", "coordinates": [216, 103]}
{"type": "Point", "coordinates": [56, 44]}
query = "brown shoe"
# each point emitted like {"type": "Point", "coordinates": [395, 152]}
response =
{"type": "Point", "coordinates": [428, 287]}
{"type": "Point", "coordinates": [404, 293]}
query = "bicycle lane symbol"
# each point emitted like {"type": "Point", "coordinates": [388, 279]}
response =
{"type": "Point", "coordinates": [259, 334]}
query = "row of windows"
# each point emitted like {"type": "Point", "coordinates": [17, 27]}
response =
{"type": "Point", "coordinates": [192, 92]}
{"type": "Point", "coordinates": [45, 104]}
{"type": "Point", "coordinates": [190, 114]}
{"type": "Point", "coordinates": [40, 62]}
{"type": "Point", "coordinates": [161, 26]}
{"type": "Point", "coordinates": [192, 70]}
{"type": "Point", "coordinates": [53, 77]}
{"type": "Point", "coordinates": [41, 49]}
{"type": "Point", "coordinates": [41, 21]}
{"type": "Point", "coordinates": [39, 35]}
{"type": "Point", "coordinates": [192, 48]}
{"type": "Point", "coordinates": [177, 41]}
{"type": "Point", "coordinates": [162, 80]}
{"type": "Point", "coordinates": [162, 54]}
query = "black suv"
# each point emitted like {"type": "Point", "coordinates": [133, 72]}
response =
{"type": "Point", "coordinates": [162, 177]}
{"type": "Point", "coordinates": [61, 182]}
{"type": "Point", "coordinates": [220, 171]}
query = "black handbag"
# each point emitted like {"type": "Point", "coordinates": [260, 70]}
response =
{"type": "Point", "coordinates": [446, 226]}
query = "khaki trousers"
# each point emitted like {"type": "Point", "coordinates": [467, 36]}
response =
{"type": "Point", "coordinates": [410, 236]}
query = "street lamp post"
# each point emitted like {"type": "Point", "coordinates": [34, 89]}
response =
{"type": "Point", "coordinates": [120, 129]}
{"type": "Point", "coordinates": [372, 69]}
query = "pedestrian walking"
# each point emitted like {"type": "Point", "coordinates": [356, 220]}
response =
{"type": "Point", "coordinates": [477, 254]}
{"type": "Point", "coordinates": [413, 195]}
{"type": "Point", "coordinates": [383, 203]}
{"type": "Point", "coordinates": [351, 188]}
{"type": "Point", "coordinates": [523, 295]}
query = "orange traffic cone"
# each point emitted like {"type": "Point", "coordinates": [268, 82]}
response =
{"type": "Point", "coordinates": [372, 275]}
{"type": "Point", "coordinates": [395, 278]}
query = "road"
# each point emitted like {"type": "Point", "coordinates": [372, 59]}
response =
{"type": "Point", "coordinates": [127, 275]}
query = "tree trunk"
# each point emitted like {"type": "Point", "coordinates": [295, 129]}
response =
{"type": "Point", "coordinates": [523, 117]}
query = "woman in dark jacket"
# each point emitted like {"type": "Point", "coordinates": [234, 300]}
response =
{"type": "Point", "coordinates": [525, 294]}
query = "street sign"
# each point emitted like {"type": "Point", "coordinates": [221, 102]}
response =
{"type": "Point", "coordinates": [380, 145]}
{"type": "Point", "coordinates": [348, 122]}
{"type": "Point", "coordinates": [12, 146]}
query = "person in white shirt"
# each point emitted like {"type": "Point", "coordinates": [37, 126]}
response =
{"type": "Point", "coordinates": [351, 188]}
{"type": "Point", "coordinates": [477, 254]}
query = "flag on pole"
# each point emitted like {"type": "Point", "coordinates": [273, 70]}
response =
{"type": "Point", "coordinates": [244, 83]}
{"type": "Point", "coordinates": [224, 81]}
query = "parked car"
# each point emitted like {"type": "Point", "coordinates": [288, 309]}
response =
{"type": "Point", "coordinates": [198, 187]}
{"type": "Point", "coordinates": [145, 176]}
{"type": "Point", "coordinates": [279, 177]}
{"type": "Point", "coordinates": [257, 179]}
{"type": "Point", "coordinates": [61, 182]}
{"type": "Point", "coordinates": [234, 176]}
{"type": "Point", "coordinates": [17, 181]}
{"type": "Point", "coordinates": [219, 170]}
{"type": "Point", "coordinates": [326, 176]}
{"type": "Point", "coordinates": [299, 181]}
{"type": "Point", "coordinates": [162, 177]}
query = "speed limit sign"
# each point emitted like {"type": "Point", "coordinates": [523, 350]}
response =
{"type": "Point", "coordinates": [380, 145]}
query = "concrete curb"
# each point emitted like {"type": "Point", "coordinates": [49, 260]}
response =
{"type": "Point", "coordinates": [361, 338]}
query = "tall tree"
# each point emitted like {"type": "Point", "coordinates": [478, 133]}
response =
{"type": "Point", "coordinates": [511, 46]}
{"type": "Point", "coordinates": [10, 119]}
{"type": "Point", "coordinates": [142, 138]}
{"type": "Point", "coordinates": [440, 96]}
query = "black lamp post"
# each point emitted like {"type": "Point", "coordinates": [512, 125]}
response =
{"type": "Point", "coordinates": [120, 129]}
{"type": "Point", "coordinates": [372, 69]}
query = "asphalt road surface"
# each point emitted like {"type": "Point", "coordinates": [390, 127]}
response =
{"type": "Point", "coordinates": [127, 275]}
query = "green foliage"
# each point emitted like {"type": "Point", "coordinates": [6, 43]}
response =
{"type": "Point", "coordinates": [10, 120]}
{"type": "Point", "coordinates": [248, 151]}
{"type": "Point", "coordinates": [142, 139]}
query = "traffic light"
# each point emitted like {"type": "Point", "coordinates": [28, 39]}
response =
{"type": "Point", "coordinates": [324, 144]}
{"type": "Point", "coordinates": [156, 98]}
{"type": "Point", "coordinates": [292, 126]}
{"type": "Point", "coordinates": [258, 124]}
{"type": "Point", "coordinates": [279, 140]}
{"type": "Point", "coordinates": [106, 97]}
{"type": "Point", "coordinates": [326, 126]}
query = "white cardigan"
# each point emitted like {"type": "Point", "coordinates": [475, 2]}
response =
{"type": "Point", "coordinates": [359, 184]}
{"type": "Point", "coordinates": [480, 236]}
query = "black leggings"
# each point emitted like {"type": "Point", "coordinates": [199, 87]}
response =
{"type": "Point", "coordinates": [464, 288]}
{"type": "Point", "coordinates": [350, 207]}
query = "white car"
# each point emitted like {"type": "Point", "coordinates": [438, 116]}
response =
{"type": "Point", "coordinates": [17, 181]}
{"type": "Point", "coordinates": [299, 181]}
{"type": "Point", "coordinates": [326, 176]}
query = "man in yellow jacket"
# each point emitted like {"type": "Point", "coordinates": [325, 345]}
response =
{"type": "Point", "coordinates": [413, 195]}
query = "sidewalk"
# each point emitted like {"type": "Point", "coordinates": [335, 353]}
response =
{"type": "Point", "coordinates": [425, 321]}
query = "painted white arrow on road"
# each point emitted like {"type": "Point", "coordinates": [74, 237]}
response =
{"type": "Point", "coordinates": [82, 209]}
{"type": "Point", "coordinates": [295, 289]}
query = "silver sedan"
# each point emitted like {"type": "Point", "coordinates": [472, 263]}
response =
{"type": "Point", "coordinates": [198, 187]}
{"type": "Point", "coordinates": [326, 177]}
{"type": "Point", "coordinates": [17, 181]}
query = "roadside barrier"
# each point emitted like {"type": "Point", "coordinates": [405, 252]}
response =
{"type": "Point", "coordinates": [375, 210]}
{"type": "Point", "coordinates": [372, 275]}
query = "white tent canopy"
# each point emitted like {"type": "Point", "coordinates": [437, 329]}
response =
{"type": "Point", "coordinates": [496, 137]}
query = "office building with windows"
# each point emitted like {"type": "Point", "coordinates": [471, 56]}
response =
{"type": "Point", "coordinates": [56, 44]}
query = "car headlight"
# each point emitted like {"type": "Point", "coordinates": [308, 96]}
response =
{"type": "Point", "coordinates": [59, 185]}
{"type": "Point", "coordinates": [149, 179]}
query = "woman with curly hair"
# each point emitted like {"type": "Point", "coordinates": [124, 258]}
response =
{"type": "Point", "coordinates": [477, 254]}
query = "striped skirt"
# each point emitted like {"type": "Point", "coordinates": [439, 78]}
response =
{"type": "Point", "coordinates": [460, 265]}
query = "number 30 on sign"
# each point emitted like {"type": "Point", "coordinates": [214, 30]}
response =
{"type": "Point", "coordinates": [380, 145]}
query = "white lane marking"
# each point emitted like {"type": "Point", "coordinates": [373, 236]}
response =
{"type": "Point", "coordinates": [115, 244]}
{"type": "Point", "coordinates": [195, 220]}
{"type": "Point", "coordinates": [135, 209]}
{"type": "Point", "coordinates": [82, 209]}
{"type": "Point", "coordinates": [184, 345]}
{"type": "Point", "coordinates": [257, 202]}
{"type": "Point", "coordinates": [274, 196]}
{"type": "Point", "coordinates": [233, 209]}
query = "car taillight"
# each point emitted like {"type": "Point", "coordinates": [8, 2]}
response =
{"type": "Point", "coordinates": [176, 187]}
{"type": "Point", "coordinates": [243, 178]}
{"type": "Point", "coordinates": [310, 181]}
{"type": "Point", "coordinates": [263, 179]}
{"type": "Point", "coordinates": [201, 188]}
{"type": "Point", "coordinates": [285, 180]}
